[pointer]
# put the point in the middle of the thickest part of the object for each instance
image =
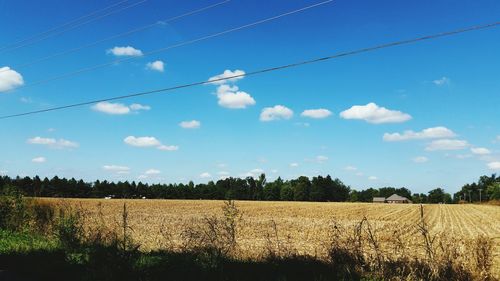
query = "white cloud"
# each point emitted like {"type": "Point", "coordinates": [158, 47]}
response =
{"type": "Point", "coordinates": [152, 172]}
{"type": "Point", "coordinates": [350, 168]}
{"type": "Point", "coordinates": [316, 113]}
{"type": "Point", "coordinates": [447, 144]}
{"type": "Point", "coordinates": [226, 74]}
{"type": "Point", "coordinates": [149, 142]}
{"type": "Point", "coordinates": [116, 169]}
{"type": "Point", "coordinates": [9, 79]}
{"type": "Point", "coordinates": [53, 143]}
{"type": "Point", "coordinates": [372, 178]}
{"type": "Point", "coordinates": [137, 107]}
{"type": "Point", "coordinates": [118, 108]}
{"type": "Point", "coordinates": [223, 175]}
{"type": "Point", "coordinates": [429, 133]}
{"type": "Point", "coordinates": [24, 99]}
{"type": "Point", "coordinates": [494, 166]}
{"type": "Point", "coordinates": [420, 159]}
{"type": "Point", "coordinates": [125, 51]}
{"type": "Point", "coordinates": [232, 97]}
{"type": "Point", "coordinates": [168, 147]}
{"type": "Point", "coordinates": [294, 165]}
{"type": "Point", "coordinates": [276, 112]}
{"type": "Point", "coordinates": [156, 65]}
{"type": "Point", "coordinates": [111, 108]}
{"type": "Point", "coordinates": [442, 81]}
{"type": "Point", "coordinates": [321, 159]}
{"type": "Point", "coordinates": [205, 175]}
{"type": "Point", "coordinates": [480, 151]}
{"type": "Point", "coordinates": [193, 124]}
{"type": "Point", "coordinates": [253, 173]}
{"type": "Point", "coordinates": [142, 141]}
{"type": "Point", "coordinates": [39, 160]}
{"type": "Point", "coordinates": [374, 114]}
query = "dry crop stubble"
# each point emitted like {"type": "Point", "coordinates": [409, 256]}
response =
{"type": "Point", "coordinates": [299, 227]}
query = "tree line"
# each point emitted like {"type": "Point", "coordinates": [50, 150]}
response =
{"type": "Point", "coordinates": [318, 189]}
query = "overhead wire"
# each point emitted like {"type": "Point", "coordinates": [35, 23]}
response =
{"type": "Point", "coordinates": [184, 43]}
{"type": "Point", "coordinates": [56, 33]}
{"type": "Point", "coordinates": [266, 70]}
{"type": "Point", "coordinates": [132, 31]}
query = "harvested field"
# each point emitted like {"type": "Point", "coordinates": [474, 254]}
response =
{"type": "Point", "coordinates": [301, 227]}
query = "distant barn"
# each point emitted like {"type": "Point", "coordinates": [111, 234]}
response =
{"type": "Point", "coordinates": [392, 199]}
{"type": "Point", "coordinates": [398, 199]}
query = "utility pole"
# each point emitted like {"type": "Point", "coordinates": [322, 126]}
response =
{"type": "Point", "coordinates": [470, 198]}
{"type": "Point", "coordinates": [480, 195]}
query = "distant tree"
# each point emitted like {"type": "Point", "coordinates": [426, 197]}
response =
{"type": "Point", "coordinates": [439, 196]}
{"type": "Point", "coordinates": [301, 188]}
{"type": "Point", "coordinates": [493, 191]}
{"type": "Point", "coordinates": [286, 193]}
{"type": "Point", "coordinates": [272, 190]}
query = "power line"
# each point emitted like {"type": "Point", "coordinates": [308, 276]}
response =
{"type": "Point", "coordinates": [265, 70]}
{"type": "Point", "coordinates": [132, 31]}
{"type": "Point", "coordinates": [184, 43]}
{"type": "Point", "coordinates": [61, 26]}
{"type": "Point", "coordinates": [49, 35]}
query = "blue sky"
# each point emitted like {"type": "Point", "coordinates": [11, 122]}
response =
{"type": "Point", "coordinates": [350, 118]}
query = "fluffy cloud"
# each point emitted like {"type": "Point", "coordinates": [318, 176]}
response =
{"type": "Point", "coordinates": [372, 178]}
{"type": "Point", "coordinates": [447, 144]}
{"type": "Point", "coordinates": [168, 147]}
{"type": "Point", "coordinates": [429, 133]}
{"type": "Point", "coordinates": [125, 51]}
{"type": "Point", "coordinates": [111, 108]}
{"type": "Point", "coordinates": [226, 74]}
{"type": "Point", "coordinates": [253, 173]}
{"type": "Point", "coordinates": [321, 159]}
{"type": "Point", "coordinates": [350, 168]}
{"type": "Point", "coordinates": [316, 113]}
{"type": "Point", "coordinates": [152, 172]}
{"type": "Point", "coordinates": [9, 79]}
{"type": "Point", "coordinates": [494, 166]}
{"type": "Point", "coordinates": [53, 143]}
{"type": "Point", "coordinates": [148, 142]}
{"type": "Point", "coordinates": [442, 81]}
{"type": "Point", "coordinates": [276, 112]}
{"type": "Point", "coordinates": [142, 141]}
{"type": "Point", "coordinates": [156, 66]}
{"type": "Point", "coordinates": [118, 108]}
{"type": "Point", "coordinates": [39, 160]}
{"type": "Point", "coordinates": [232, 97]}
{"type": "Point", "coordinates": [480, 151]}
{"type": "Point", "coordinates": [294, 165]}
{"type": "Point", "coordinates": [137, 107]}
{"type": "Point", "coordinates": [116, 169]}
{"type": "Point", "coordinates": [372, 113]}
{"type": "Point", "coordinates": [205, 175]}
{"type": "Point", "coordinates": [193, 124]}
{"type": "Point", "coordinates": [420, 159]}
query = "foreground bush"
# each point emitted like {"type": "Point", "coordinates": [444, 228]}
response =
{"type": "Point", "coordinates": [45, 241]}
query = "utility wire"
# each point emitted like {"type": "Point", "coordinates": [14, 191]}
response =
{"type": "Point", "coordinates": [132, 31]}
{"type": "Point", "coordinates": [61, 26]}
{"type": "Point", "coordinates": [49, 35]}
{"type": "Point", "coordinates": [265, 70]}
{"type": "Point", "coordinates": [184, 43]}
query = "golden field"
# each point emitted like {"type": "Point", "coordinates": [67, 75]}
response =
{"type": "Point", "coordinates": [303, 227]}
